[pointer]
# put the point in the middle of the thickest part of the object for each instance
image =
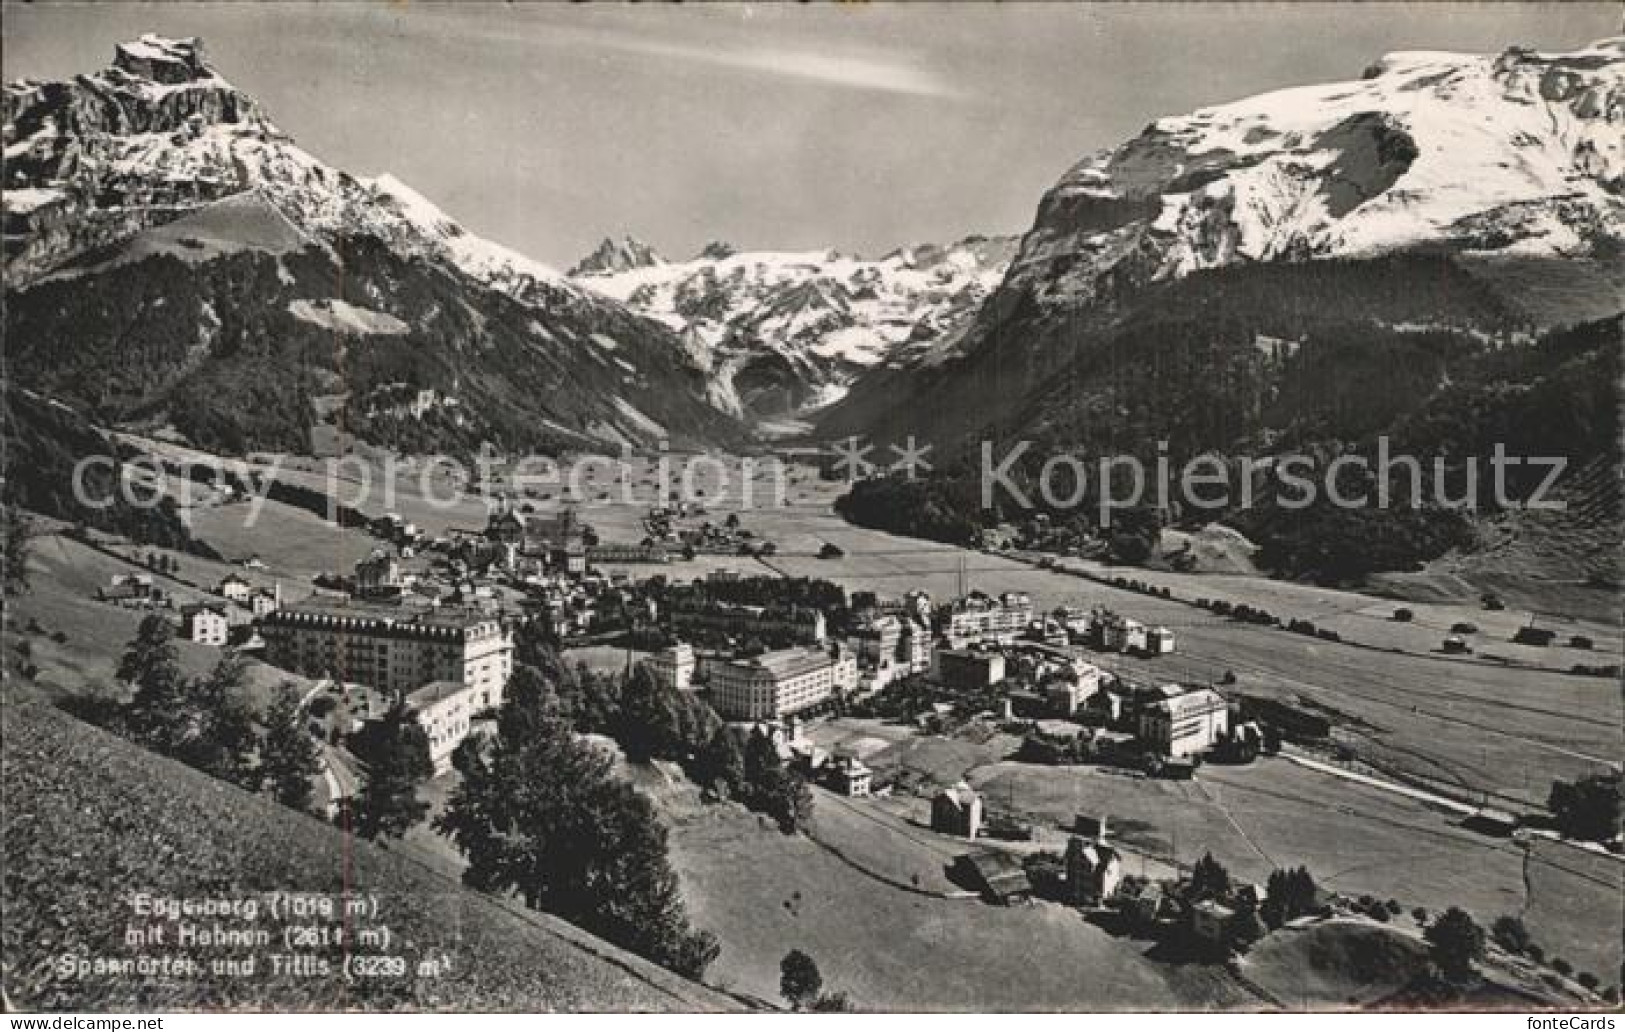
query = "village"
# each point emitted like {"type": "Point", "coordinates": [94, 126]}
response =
{"type": "Point", "coordinates": [833, 679]}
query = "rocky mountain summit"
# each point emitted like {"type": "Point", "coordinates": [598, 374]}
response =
{"type": "Point", "coordinates": [612, 256]}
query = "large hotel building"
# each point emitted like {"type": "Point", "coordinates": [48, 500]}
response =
{"type": "Point", "coordinates": [779, 684]}
{"type": "Point", "coordinates": [390, 648]}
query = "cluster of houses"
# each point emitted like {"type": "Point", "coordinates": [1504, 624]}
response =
{"type": "Point", "coordinates": [665, 531]}
{"type": "Point", "coordinates": [1104, 631]}
{"type": "Point", "coordinates": [223, 621]}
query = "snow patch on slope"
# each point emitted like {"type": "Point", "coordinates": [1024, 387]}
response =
{"type": "Point", "coordinates": [343, 317]}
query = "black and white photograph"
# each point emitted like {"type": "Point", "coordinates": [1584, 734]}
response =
{"type": "Point", "coordinates": [849, 508]}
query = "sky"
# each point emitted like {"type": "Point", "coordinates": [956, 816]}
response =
{"type": "Point", "coordinates": [858, 126]}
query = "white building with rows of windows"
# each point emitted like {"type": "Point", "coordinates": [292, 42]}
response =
{"type": "Point", "coordinates": [779, 684]}
{"type": "Point", "coordinates": [390, 648]}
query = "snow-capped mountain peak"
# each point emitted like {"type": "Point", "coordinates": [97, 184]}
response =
{"type": "Point", "coordinates": [163, 60]}
{"type": "Point", "coordinates": [1519, 152]}
{"type": "Point", "coordinates": [787, 330]}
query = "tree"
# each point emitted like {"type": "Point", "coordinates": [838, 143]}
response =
{"type": "Point", "coordinates": [1244, 928]}
{"type": "Point", "coordinates": [1289, 893]}
{"type": "Point", "coordinates": [539, 812]}
{"type": "Point", "coordinates": [19, 536]}
{"type": "Point", "coordinates": [1456, 942]}
{"type": "Point", "coordinates": [661, 722]}
{"type": "Point", "coordinates": [1132, 548]}
{"type": "Point", "coordinates": [832, 1003]}
{"type": "Point", "coordinates": [288, 757]}
{"type": "Point", "coordinates": [1510, 934]}
{"type": "Point", "coordinates": [721, 763]}
{"type": "Point", "coordinates": [221, 740]}
{"type": "Point", "coordinates": [156, 715]}
{"type": "Point", "coordinates": [1209, 879]}
{"type": "Point", "coordinates": [789, 801]}
{"type": "Point", "coordinates": [770, 789]}
{"type": "Point", "coordinates": [388, 805]}
{"type": "Point", "coordinates": [1588, 808]}
{"type": "Point", "coordinates": [799, 979]}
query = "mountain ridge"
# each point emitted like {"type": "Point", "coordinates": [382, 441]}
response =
{"type": "Point", "coordinates": [1460, 167]}
{"type": "Point", "coordinates": [100, 167]}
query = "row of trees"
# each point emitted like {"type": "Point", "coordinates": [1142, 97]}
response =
{"type": "Point", "coordinates": [655, 722]}
{"type": "Point", "coordinates": [539, 813]}
{"type": "Point", "coordinates": [659, 722]}
{"type": "Point", "coordinates": [206, 722]}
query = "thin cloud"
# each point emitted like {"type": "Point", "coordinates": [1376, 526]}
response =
{"type": "Point", "coordinates": [886, 75]}
{"type": "Point", "coordinates": [871, 70]}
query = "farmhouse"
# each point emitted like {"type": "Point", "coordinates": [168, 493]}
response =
{"type": "Point", "coordinates": [849, 776]}
{"type": "Point", "coordinates": [1140, 902]}
{"type": "Point", "coordinates": [234, 588]}
{"type": "Point", "coordinates": [1209, 920]}
{"type": "Point", "coordinates": [1116, 633]}
{"type": "Point", "coordinates": [1159, 641]}
{"type": "Point", "coordinates": [132, 592]}
{"type": "Point", "coordinates": [1093, 870]}
{"type": "Point", "coordinates": [998, 876]}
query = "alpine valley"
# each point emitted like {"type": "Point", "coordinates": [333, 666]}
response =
{"type": "Point", "coordinates": [1430, 252]}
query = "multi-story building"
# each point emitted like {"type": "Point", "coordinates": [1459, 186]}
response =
{"type": "Point", "coordinates": [205, 624]}
{"type": "Point", "coordinates": [391, 648]}
{"type": "Point", "coordinates": [234, 588]}
{"type": "Point", "coordinates": [1159, 641]}
{"type": "Point", "coordinates": [779, 684]}
{"type": "Point", "coordinates": [957, 811]}
{"type": "Point", "coordinates": [1120, 634]}
{"type": "Point", "coordinates": [672, 667]}
{"type": "Point", "coordinates": [265, 600]}
{"type": "Point", "coordinates": [968, 668]}
{"type": "Point", "coordinates": [378, 574]}
{"type": "Point", "coordinates": [1186, 724]}
{"type": "Point", "coordinates": [889, 648]}
{"type": "Point", "coordinates": [978, 618]}
{"type": "Point", "coordinates": [445, 710]}
{"type": "Point", "coordinates": [849, 776]}
{"type": "Point", "coordinates": [877, 641]}
{"type": "Point", "coordinates": [627, 554]}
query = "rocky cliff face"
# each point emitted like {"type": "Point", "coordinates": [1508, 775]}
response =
{"type": "Point", "coordinates": [1499, 177]}
{"type": "Point", "coordinates": [156, 165]}
{"type": "Point", "coordinates": [782, 333]}
{"type": "Point", "coordinates": [612, 256]}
